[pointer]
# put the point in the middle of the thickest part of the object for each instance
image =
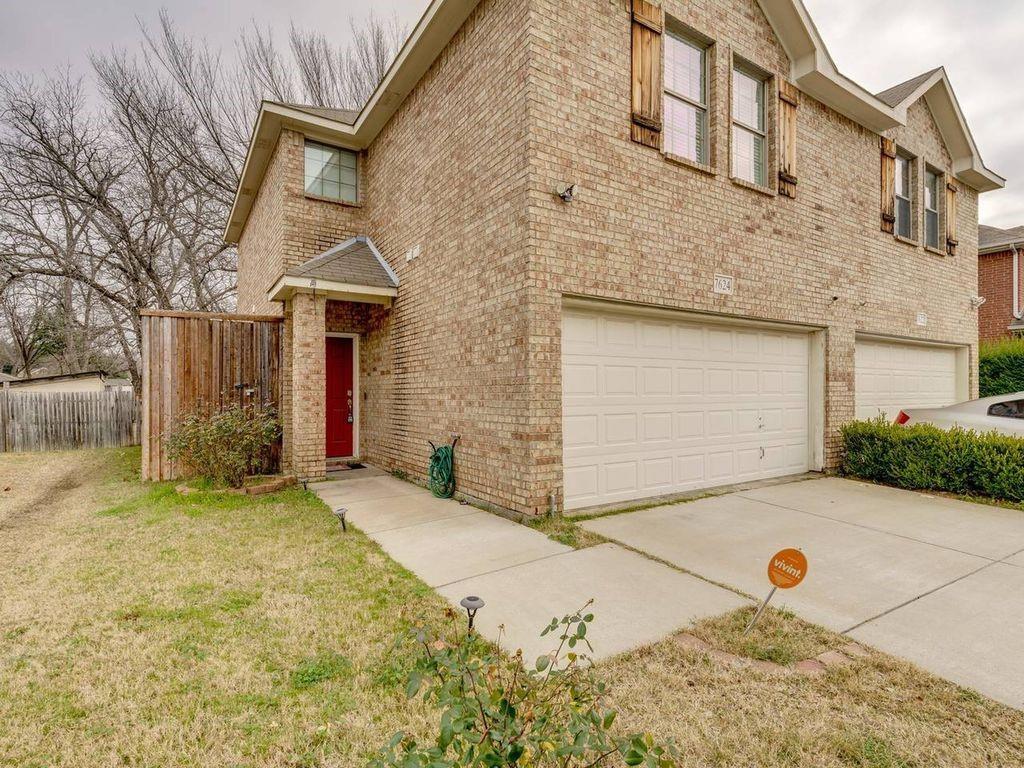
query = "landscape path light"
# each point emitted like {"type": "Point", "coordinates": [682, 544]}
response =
{"type": "Point", "coordinates": [472, 604]}
{"type": "Point", "coordinates": [340, 513]}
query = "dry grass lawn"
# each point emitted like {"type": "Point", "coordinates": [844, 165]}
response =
{"type": "Point", "coordinates": [142, 628]}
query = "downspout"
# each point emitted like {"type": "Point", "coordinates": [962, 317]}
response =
{"type": "Point", "coordinates": [1018, 313]}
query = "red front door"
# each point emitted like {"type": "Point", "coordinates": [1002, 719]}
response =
{"type": "Point", "coordinates": [340, 398]}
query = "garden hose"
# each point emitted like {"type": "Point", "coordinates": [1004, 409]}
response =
{"type": "Point", "coordinates": [441, 473]}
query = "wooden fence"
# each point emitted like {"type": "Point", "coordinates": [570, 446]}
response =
{"type": "Point", "coordinates": [53, 421]}
{"type": "Point", "coordinates": [194, 361]}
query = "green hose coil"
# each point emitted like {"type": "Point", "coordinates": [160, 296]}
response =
{"type": "Point", "coordinates": [441, 473]}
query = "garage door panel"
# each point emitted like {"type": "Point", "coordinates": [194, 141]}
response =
{"type": "Point", "coordinates": [895, 375]}
{"type": "Point", "coordinates": [678, 406]}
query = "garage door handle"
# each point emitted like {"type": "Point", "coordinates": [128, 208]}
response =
{"type": "Point", "coordinates": [762, 451]}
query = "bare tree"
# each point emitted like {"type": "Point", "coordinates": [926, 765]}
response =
{"type": "Point", "coordinates": [121, 206]}
{"type": "Point", "coordinates": [29, 326]}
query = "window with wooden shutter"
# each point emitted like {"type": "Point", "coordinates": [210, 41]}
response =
{"type": "Point", "coordinates": [648, 23]}
{"type": "Point", "coordinates": [951, 240]}
{"type": "Point", "coordinates": [789, 100]}
{"type": "Point", "coordinates": [888, 199]}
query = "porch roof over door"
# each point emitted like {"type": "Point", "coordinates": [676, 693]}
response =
{"type": "Point", "coordinates": [350, 271]}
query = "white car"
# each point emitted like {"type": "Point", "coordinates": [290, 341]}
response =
{"type": "Point", "coordinates": [1003, 413]}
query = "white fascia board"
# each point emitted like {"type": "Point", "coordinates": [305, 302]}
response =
{"type": "Point", "coordinates": [287, 286]}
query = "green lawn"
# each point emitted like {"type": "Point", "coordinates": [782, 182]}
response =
{"type": "Point", "coordinates": [143, 628]}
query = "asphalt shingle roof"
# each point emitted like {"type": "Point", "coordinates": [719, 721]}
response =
{"type": "Point", "coordinates": [993, 237]}
{"type": "Point", "coordinates": [355, 261]}
{"type": "Point", "coordinates": [898, 93]}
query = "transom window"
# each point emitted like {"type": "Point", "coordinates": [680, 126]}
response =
{"type": "Point", "coordinates": [686, 98]}
{"type": "Point", "coordinates": [931, 208]}
{"type": "Point", "coordinates": [904, 209]}
{"type": "Point", "coordinates": [749, 161]}
{"type": "Point", "coordinates": [331, 172]}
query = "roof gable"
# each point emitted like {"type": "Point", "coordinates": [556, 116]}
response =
{"type": "Point", "coordinates": [812, 69]}
{"type": "Point", "coordinates": [937, 91]}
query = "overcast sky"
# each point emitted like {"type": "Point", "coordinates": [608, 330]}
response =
{"type": "Point", "coordinates": [978, 42]}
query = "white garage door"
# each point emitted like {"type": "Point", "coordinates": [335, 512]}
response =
{"type": "Point", "coordinates": [652, 406]}
{"type": "Point", "coordinates": [893, 375]}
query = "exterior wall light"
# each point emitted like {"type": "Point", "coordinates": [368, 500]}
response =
{"type": "Point", "coordinates": [567, 192]}
{"type": "Point", "coordinates": [472, 604]}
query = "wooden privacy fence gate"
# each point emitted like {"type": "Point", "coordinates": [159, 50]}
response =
{"type": "Point", "coordinates": [53, 421]}
{"type": "Point", "coordinates": [194, 361]}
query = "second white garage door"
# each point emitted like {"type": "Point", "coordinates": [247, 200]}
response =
{"type": "Point", "coordinates": [653, 406]}
{"type": "Point", "coordinates": [894, 375]}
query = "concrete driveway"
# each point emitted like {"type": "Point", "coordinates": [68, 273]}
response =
{"type": "Point", "coordinates": [937, 581]}
{"type": "Point", "coordinates": [525, 577]}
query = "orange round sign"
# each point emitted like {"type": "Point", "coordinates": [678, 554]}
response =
{"type": "Point", "coordinates": [787, 568]}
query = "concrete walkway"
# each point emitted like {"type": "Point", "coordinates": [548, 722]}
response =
{"type": "Point", "coordinates": [525, 577]}
{"type": "Point", "coordinates": [937, 581]}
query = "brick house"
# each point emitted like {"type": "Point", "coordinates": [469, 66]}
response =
{"type": "Point", "coordinates": [999, 281]}
{"type": "Point", "coordinates": [623, 250]}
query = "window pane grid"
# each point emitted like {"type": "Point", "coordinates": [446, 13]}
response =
{"type": "Point", "coordinates": [330, 172]}
{"type": "Point", "coordinates": [904, 209]}
{"type": "Point", "coordinates": [749, 156]}
{"type": "Point", "coordinates": [686, 95]}
{"type": "Point", "coordinates": [931, 209]}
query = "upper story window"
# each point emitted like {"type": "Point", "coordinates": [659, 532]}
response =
{"type": "Point", "coordinates": [331, 172]}
{"type": "Point", "coordinates": [904, 207]}
{"type": "Point", "coordinates": [686, 98]}
{"type": "Point", "coordinates": [749, 155]}
{"type": "Point", "coordinates": [931, 208]}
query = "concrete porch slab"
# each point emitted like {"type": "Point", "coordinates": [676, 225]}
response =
{"type": "Point", "coordinates": [853, 574]}
{"type": "Point", "coordinates": [456, 548]}
{"type": "Point", "coordinates": [636, 600]}
{"type": "Point", "coordinates": [992, 532]}
{"type": "Point", "coordinates": [968, 632]}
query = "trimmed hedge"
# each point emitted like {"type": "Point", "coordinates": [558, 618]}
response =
{"type": "Point", "coordinates": [925, 458]}
{"type": "Point", "coordinates": [1001, 367]}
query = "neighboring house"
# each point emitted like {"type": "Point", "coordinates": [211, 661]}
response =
{"type": "Point", "coordinates": [621, 252]}
{"type": "Point", "coordinates": [999, 281]}
{"type": "Point", "coordinates": [86, 381]}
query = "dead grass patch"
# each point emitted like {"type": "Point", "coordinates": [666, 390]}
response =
{"type": "Point", "coordinates": [566, 531]}
{"type": "Point", "coordinates": [876, 712]}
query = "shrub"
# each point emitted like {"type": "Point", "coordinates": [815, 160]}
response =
{"type": "Point", "coordinates": [924, 457]}
{"type": "Point", "coordinates": [495, 712]}
{"type": "Point", "coordinates": [225, 445]}
{"type": "Point", "coordinates": [1001, 367]}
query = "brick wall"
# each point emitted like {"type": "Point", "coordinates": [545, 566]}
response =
{"type": "Point", "coordinates": [530, 94]}
{"type": "Point", "coordinates": [448, 173]}
{"type": "Point", "coordinates": [650, 231]}
{"type": "Point", "coordinates": [995, 283]}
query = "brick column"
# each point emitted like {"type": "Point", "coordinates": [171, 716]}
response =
{"type": "Point", "coordinates": [840, 390]}
{"type": "Point", "coordinates": [306, 432]}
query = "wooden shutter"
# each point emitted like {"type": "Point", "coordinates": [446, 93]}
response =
{"type": "Point", "coordinates": [888, 185]}
{"type": "Point", "coordinates": [789, 100]}
{"type": "Point", "coordinates": [951, 213]}
{"type": "Point", "coordinates": [646, 100]}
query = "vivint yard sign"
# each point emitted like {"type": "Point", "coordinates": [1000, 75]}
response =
{"type": "Point", "coordinates": [786, 569]}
